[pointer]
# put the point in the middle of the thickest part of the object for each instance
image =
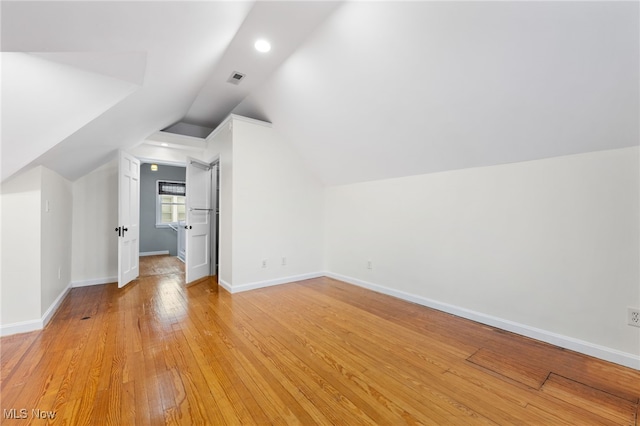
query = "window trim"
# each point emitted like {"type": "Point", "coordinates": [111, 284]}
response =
{"type": "Point", "coordinates": [159, 223]}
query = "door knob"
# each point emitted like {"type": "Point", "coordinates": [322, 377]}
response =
{"type": "Point", "coordinates": [119, 231]}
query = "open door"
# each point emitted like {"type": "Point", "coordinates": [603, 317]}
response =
{"type": "Point", "coordinates": [128, 218]}
{"type": "Point", "coordinates": [200, 213]}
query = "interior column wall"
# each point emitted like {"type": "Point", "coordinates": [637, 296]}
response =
{"type": "Point", "coordinates": [277, 216]}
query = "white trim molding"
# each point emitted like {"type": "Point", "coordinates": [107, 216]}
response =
{"type": "Point", "coordinates": [153, 253]}
{"type": "Point", "coordinates": [268, 283]}
{"type": "Point", "coordinates": [225, 285]}
{"type": "Point", "coordinates": [96, 281]}
{"type": "Point", "coordinates": [230, 118]}
{"type": "Point", "coordinates": [577, 345]}
{"type": "Point", "coordinates": [54, 306]}
{"type": "Point", "coordinates": [20, 327]}
{"type": "Point", "coordinates": [38, 324]}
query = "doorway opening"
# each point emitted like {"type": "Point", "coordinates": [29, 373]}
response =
{"type": "Point", "coordinates": [169, 243]}
{"type": "Point", "coordinates": [162, 208]}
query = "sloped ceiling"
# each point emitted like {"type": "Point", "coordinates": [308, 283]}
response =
{"type": "Point", "coordinates": [181, 43]}
{"type": "Point", "coordinates": [286, 25]}
{"type": "Point", "coordinates": [173, 57]}
{"type": "Point", "coordinates": [362, 90]}
{"type": "Point", "coordinates": [390, 89]}
{"type": "Point", "coordinates": [47, 102]}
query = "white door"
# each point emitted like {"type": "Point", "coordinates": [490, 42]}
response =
{"type": "Point", "coordinates": [128, 218]}
{"type": "Point", "coordinates": [198, 224]}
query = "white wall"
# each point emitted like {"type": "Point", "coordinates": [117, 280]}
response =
{"type": "Point", "coordinates": [20, 286]}
{"type": "Point", "coordinates": [56, 210]}
{"type": "Point", "coordinates": [270, 207]}
{"type": "Point", "coordinates": [277, 209]}
{"type": "Point", "coordinates": [551, 245]}
{"type": "Point", "coordinates": [95, 216]}
{"type": "Point", "coordinates": [36, 248]}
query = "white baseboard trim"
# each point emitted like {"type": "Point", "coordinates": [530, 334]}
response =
{"type": "Point", "coordinates": [269, 283]}
{"type": "Point", "coordinates": [577, 345]}
{"type": "Point", "coordinates": [225, 285]}
{"type": "Point", "coordinates": [54, 306]}
{"type": "Point", "coordinates": [34, 325]}
{"type": "Point", "coordinates": [153, 253]}
{"type": "Point", "coordinates": [20, 327]}
{"type": "Point", "coordinates": [96, 281]}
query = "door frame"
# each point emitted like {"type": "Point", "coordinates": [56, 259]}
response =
{"type": "Point", "coordinates": [215, 224]}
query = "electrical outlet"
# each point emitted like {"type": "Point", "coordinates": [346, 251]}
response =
{"type": "Point", "coordinates": [284, 261]}
{"type": "Point", "coordinates": [369, 264]}
{"type": "Point", "coordinates": [633, 317]}
{"type": "Point", "coordinates": [264, 263]}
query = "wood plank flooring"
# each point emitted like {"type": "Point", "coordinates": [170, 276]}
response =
{"type": "Point", "coordinates": [315, 352]}
{"type": "Point", "coordinates": [160, 265]}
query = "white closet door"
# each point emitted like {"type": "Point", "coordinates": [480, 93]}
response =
{"type": "Point", "coordinates": [198, 224]}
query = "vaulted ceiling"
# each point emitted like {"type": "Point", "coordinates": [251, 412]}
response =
{"type": "Point", "coordinates": [362, 90]}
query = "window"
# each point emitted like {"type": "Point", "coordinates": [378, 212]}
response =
{"type": "Point", "coordinates": [170, 206]}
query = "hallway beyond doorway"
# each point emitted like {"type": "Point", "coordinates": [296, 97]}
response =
{"type": "Point", "coordinates": [160, 265]}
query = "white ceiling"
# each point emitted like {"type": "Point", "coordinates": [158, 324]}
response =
{"type": "Point", "coordinates": [362, 90]}
{"type": "Point", "coordinates": [286, 25]}
{"type": "Point", "coordinates": [388, 89]}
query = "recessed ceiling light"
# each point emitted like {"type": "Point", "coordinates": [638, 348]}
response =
{"type": "Point", "coordinates": [164, 144]}
{"type": "Point", "coordinates": [262, 45]}
{"type": "Point", "coordinates": [154, 167]}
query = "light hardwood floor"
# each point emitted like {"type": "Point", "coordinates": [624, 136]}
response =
{"type": "Point", "coordinates": [315, 352]}
{"type": "Point", "coordinates": [160, 265]}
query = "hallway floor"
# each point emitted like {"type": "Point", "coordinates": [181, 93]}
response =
{"type": "Point", "coordinates": [160, 265]}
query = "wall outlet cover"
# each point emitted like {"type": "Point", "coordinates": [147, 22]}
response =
{"type": "Point", "coordinates": [633, 317]}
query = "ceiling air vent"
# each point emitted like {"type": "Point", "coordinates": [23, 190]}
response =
{"type": "Point", "coordinates": [235, 77]}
